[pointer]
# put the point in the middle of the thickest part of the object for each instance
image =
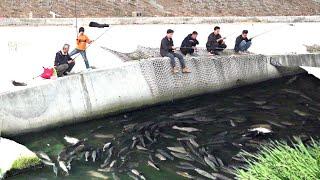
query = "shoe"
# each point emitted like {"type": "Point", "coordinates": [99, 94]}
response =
{"type": "Point", "coordinates": [186, 70]}
{"type": "Point", "coordinates": [175, 70]}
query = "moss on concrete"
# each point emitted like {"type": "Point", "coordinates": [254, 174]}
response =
{"type": "Point", "coordinates": [25, 162]}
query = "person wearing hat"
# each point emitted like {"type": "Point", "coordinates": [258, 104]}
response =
{"type": "Point", "coordinates": [82, 41]}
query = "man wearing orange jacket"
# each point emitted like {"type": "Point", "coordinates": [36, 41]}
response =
{"type": "Point", "coordinates": [82, 42]}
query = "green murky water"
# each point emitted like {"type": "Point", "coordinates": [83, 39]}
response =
{"type": "Point", "coordinates": [233, 111]}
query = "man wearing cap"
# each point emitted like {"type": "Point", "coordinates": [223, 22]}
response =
{"type": "Point", "coordinates": [82, 42]}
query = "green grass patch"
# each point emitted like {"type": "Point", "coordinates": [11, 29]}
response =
{"type": "Point", "coordinates": [25, 162]}
{"type": "Point", "coordinates": [280, 161]}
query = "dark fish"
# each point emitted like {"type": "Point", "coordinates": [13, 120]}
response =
{"type": "Point", "coordinates": [167, 136]}
{"type": "Point", "coordinates": [142, 141]}
{"type": "Point", "coordinates": [210, 163]}
{"type": "Point", "coordinates": [165, 154]}
{"type": "Point", "coordinates": [122, 151]}
{"type": "Point", "coordinates": [189, 112]}
{"type": "Point", "coordinates": [182, 156]}
{"type": "Point", "coordinates": [220, 176]}
{"type": "Point", "coordinates": [204, 173]}
{"type": "Point", "coordinates": [148, 136]}
{"type": "Point", "coordinates": [276, 124]}
{"type": "Point", "coordinates": [134, 143]}
{"type": "Point", "coordinates": [291, 80]}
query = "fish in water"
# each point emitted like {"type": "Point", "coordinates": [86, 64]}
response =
{"type": "Point", "coordinates": [232, 123]}
{"type": "Point", "coordinates": [86, 155]}
{"type": "Point", "coordinates": [194, 143]}
{"type": "Point", "coordinates": [71, 140]}
{"type": "Point", "coordinates": [210, 163]}
{"type": "Point", "coordinates": [189, 112]}
{"type": "Point", "coordinates": [115, 177]}
{"type": "Point", "coordinates": [165, 154]}
{"type": "Point", "coordinates": [104, 136]}
{"type": "Point", "coordinates": [259, 102]}
{"type": "Point", "coordinates": [137, 173]}
{"type": "Point", "coordinates": [94, 155]}
{"type": "Point", "coordinates": [105, 146]}
{"type": "Point", "coordinates": [177, 149]}
{"type": "Point", "coordinates": [43, 155]}
{"type": "Point", "coordinates": [150, 163]}
{"type": "Point", "coordinates": [185, 174]}
{"type": "Point", "coordinates": [160, 156]}
{"type": "Point", "coordinates": [64, 167]}
{"type": "Point", "coordinates": [142, 141]}
{"type": "Point", "coordinates": [204, 173]}
{"type": "Point", "coordinates": [148, 136]}
{"type": "Point", "coordinates": [132, 176]}
{"type": "Point", "coordinates": [261, 130]}
{"type": "Point", "coordinates": [187, 129]}
{"type": "Point", "coordinates": [301, 113]}
{"type": "Point", "coordinates": [141, 148]}
{"type": "Point", "coordinates": [291, 80]}
{"type": "Point", "coordinates": [97, 175]}
{"type": "Point", "coordinates": [181, 156]}
{"type": "Point", "coordinates": [69, 162]}
{"type": "Point", "coordinates": [55, 170]}
{"type": "Point", "coordinates": [220, 176]}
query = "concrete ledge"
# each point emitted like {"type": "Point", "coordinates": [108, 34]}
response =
{"type": "Point", "coordinates": [141, 83]}
{"type": "Point", "coordinates": [155, 20]}
{"type": "Point", "coordinates": [311, 60]}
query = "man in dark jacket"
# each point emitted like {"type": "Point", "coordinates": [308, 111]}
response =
{"type": "Point", "coordinates": [167, 49]}
{"type": "Point", "coordinates": [215, 42]}
{"type": "Point", "coordinates": [242, 42]}
{"type": "Point", "coordinates": [189, 43]}
{"type": "Point", "coordinates": [63, 62]}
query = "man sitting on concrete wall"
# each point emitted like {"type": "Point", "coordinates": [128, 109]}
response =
{"type": "Point", "coordinates": [167, 49]}
{"type": "Point", "coordinates": [189, 43]}
{"type": "Point", "coordinates": [242, 43]}
{"type": "Point", "coordinates": [215, 42]}
{"type": "Point", "coordinates": [63, 62]}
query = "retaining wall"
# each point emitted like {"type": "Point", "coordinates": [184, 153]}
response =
{"type": "Point", "coordinates": [93, 94]}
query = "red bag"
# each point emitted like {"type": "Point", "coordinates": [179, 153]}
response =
{"type": "Point", "coordinates": [47, 73]}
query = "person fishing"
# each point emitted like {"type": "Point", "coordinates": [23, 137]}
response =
{"type": "Point", "coordinates": [167, 49]}
{"type": "Point", "coordinates": [189, 44]}
{"type": "Point", "coordinates": [242, 43]}
{"type": "Point", "coordinates": [215, 43]}
{"type": "Point", "coordinates": [63, 62]}
{"type": "Point", "coordinates": [82, 41]}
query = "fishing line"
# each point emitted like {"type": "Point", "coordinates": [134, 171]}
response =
{"type": "Point", "coordinates": [76, 16]}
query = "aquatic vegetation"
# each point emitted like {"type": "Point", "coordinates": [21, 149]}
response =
{"type": "Point", "coordinates": [279, 160]}
{"type": "Point", "coordinates": [25, 162]}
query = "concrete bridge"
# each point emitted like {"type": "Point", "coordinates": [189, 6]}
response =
{"type": "Point", "coordinates": [146, 82]}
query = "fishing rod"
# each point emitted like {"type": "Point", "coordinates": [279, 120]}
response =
{"type": "Point", "coordinates": [76, 16]}
{"type": "Point", "coordinates": [270, 30]}
{"type": "Point", "coordinates": [96, 25]}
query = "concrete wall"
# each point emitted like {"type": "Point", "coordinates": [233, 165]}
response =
{"type": "Point", "coordinates": [311, 60]}
{"type": "Point", "coordinates": [155, 20]}
{"type": "Point", "coordinates": [90, 95]}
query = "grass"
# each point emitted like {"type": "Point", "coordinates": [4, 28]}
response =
{"type": "Point", "coordinates": [25, 162]}
{"type": "Point", "coordinates": [280, 161]}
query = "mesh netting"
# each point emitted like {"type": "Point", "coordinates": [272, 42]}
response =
{"type": "Point", "coordinates": [208, 74]}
